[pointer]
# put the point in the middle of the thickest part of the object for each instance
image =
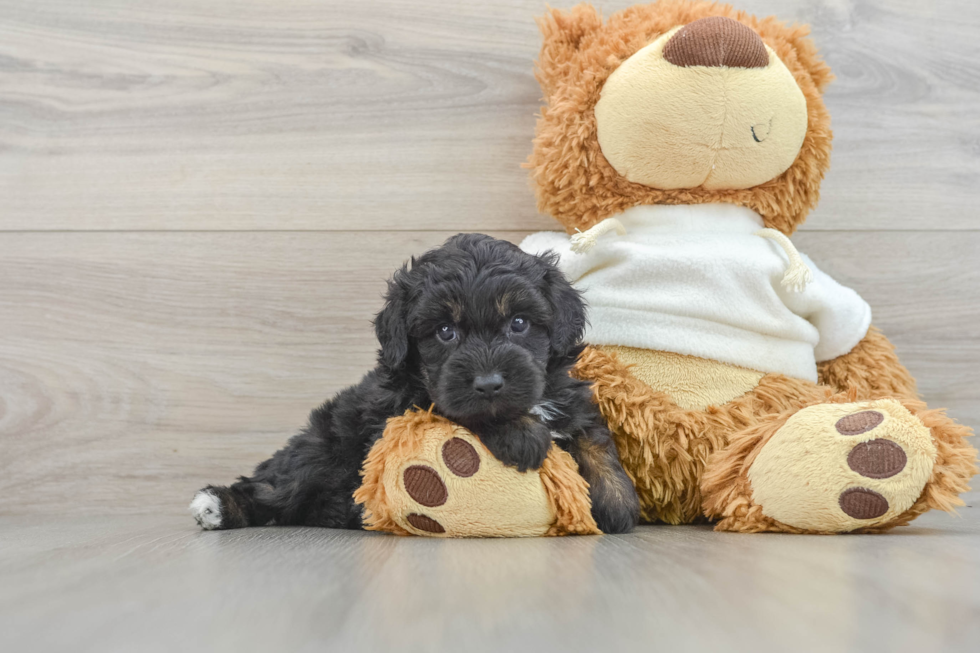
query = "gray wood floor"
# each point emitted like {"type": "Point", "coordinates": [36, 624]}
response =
{"type": "Point", "coordinates": [199, 204]}
{"type": "Point", "coordinates": [145, 583]}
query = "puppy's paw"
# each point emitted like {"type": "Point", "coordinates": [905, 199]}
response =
{"type": "Point", "coordinates": [206, 509]}
{"type": "Point", "coordinates": [615, 504]}
{"type": "Point", "coordinates": [616, 509]}
{"type": "Point", "coordinates": [523, 444]}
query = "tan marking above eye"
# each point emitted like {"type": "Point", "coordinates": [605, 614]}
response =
{"type": "Point", "coordinates": [456, 310]}
{"type": "Point", "coordinates": [503, 304]}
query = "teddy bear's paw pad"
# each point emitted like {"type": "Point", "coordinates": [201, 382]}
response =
{"type": "Point", "coordinates": [427, 524]}
{"type": "Point", "coordinates": [862, 503]}
{"type": "Point", "coordinates": [454, 487]}
{"type": "Point", "coordinates": [460, 457]}
{"type": "Point", "coordinates": [877, 459]}
{"type": "Point", "coordinates": [842, 467]}
{"type": "Point", "coordinates": [424, 485]}
{"type": "Point", "coordinates": [859, 423]}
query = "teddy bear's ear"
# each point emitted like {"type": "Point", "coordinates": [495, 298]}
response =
{"type": "Point", "coordinates": [562, 32]}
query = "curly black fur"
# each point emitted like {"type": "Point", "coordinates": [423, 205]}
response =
{"type": "Point", "coordinates": [486, 333]}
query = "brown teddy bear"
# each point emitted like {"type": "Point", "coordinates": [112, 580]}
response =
{"type": "Point", "coordinates": [682, 143]}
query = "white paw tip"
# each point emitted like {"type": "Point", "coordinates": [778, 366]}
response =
{"type": "Point", "coordinates": [206, 508]}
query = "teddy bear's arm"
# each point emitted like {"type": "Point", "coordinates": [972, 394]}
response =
{"type": "Point", "coordinates": [429, 476]}
{"type": "Point", "coordinates": [872, 368]}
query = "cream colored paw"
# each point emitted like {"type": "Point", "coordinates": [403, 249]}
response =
{"type": "Point", "coordinates": [841, 467]}
{"type": "Point", "coordinates": [454, 487]}
{"type": "Point", "coordinates": [428, 476]}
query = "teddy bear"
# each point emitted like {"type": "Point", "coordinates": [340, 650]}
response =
{"type": "Point", "coordinates": [681, 145]}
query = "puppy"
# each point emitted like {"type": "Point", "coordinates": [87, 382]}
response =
{"type": "Point", "coordinates": [487, 334]}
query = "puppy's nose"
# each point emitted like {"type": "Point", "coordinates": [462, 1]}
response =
{"type": "Point", "coordinates": [716, 41]}
{"type": "Point", "coordinates": [488, 384]}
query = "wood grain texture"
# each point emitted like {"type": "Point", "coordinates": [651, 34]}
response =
{"type": "Point", "coordinates": [152, 584]}
{"type": "Point", "coordinates": [199, 205]}
{"type": "Point", "coordinates": [137, 367]}
{"type": "Point", "coordinates": [377, 114]}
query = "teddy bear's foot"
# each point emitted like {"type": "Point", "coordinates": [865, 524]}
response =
{"type": "Point", "coordinates": [428, 476]}
{"type": "Point", "coordinates": [839, 467]}
{"type": "Point", "coordinates": [842, 467]}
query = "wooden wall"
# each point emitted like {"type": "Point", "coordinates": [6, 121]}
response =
{"type": "Point", "coordinates": [200, 202]}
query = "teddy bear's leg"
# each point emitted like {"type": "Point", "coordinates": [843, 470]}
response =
{"type": "Point", "coordinates": [663, 446]}
{"type": "Point", "coordinates": [839, 466]}
{"type": "Point", "coordinates": [428, 476]}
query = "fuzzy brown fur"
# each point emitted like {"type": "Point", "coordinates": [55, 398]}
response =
{"type": "Point", "coordinates": [572, 179]}
{"type": "Point", "coordinates": [872, 368]}
{"type": "Point", "coordinates": [568, 494]}
{"type": "Point", "coordinates": [665, 448]}
{"type": "Point", "coordinates": [688, 464]}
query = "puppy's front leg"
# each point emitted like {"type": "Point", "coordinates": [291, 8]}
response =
{"type": "Point", "coordinates": [615, 505]}
{"type": "Point", "coordinates": [522, 443]}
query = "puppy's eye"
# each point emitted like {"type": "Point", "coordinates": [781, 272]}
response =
{"type": "Point", "coordinates": [519, 324]}
{"type": "Point", "coordinates": [446, 332]}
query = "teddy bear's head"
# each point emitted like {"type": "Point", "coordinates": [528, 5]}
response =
{"type": "Point", "coordinates": [678, 102]}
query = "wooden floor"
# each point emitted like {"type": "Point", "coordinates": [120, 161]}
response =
{"type": "Point", "coordinates": [199, 205]}
{"type": "Point", "coordinates": [144, 583]}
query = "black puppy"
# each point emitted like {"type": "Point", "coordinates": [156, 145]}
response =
{"type": "Point", "coordinates": [486, 333]}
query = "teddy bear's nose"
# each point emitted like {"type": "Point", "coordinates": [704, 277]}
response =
{"type": "Point", "coordinates": [716, 41]}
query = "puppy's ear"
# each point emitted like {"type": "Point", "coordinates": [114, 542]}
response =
{"type": "Point", "coordinates": [391, 324]}
{"type": "Point", "coordinates": [569, 308]}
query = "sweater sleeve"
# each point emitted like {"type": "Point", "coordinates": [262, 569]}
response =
{"type": "Point", "coordinates": [842, 318]}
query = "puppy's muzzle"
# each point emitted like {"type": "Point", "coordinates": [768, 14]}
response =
{"type": "Point", "coordinates": [489, 379]}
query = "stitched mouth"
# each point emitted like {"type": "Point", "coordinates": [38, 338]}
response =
{"type": "Point", "coordinates": [760, 131]}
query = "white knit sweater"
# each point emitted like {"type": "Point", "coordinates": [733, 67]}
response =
{"type": "Point", "coordinates": [696, 280]}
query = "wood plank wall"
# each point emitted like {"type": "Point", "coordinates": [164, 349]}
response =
{"type": "Point", "coordinates": [200, 202]}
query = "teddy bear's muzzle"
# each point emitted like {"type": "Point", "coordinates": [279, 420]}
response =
{"type": "Point", "coordinates": [707, 104]}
